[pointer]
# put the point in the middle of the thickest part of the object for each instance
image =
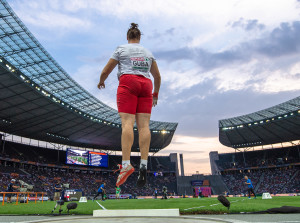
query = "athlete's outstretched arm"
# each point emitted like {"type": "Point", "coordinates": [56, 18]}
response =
{"type": "Point", "coordinates": [157, 79]}
{"type": "Point", "coordinates": [111, 64]}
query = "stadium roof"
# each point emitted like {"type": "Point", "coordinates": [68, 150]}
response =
{"type": "Point", "coordinates": [40, 100]}
{"type": "Point", "coordinates": [280, 123]}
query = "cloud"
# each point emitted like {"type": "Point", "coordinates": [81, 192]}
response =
{"type": "Point", "coordinates": [248, 25]}
{"type": "Point", "coordinates": [283, 40]}
{"type": "Point", "coordinates": [263, 64]}
{"type": "Point", "coordinates": [158, 34]}
{"type": "Point", "coordinates": [50, 15]}
{"type": "Point", "coordinates": [54, 20]}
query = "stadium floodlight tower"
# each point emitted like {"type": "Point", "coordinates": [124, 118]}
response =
{"type": "Point", "coordinates": [277, 124]}
{"type": "Point", "coordinates": [40, 101]}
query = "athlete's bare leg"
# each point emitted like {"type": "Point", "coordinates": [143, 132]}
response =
{"type": "Point", "coordinates": [142, 121]}
{"type": "Point", "coordinates": [127, 134]}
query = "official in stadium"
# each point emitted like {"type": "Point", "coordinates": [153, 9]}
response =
{"type": "Point", "coordinates": [57, 191]}
{"type": "Point", "coordinates": [134, 98]}
{"type": "Point", "coordinates": [155, 193]}
{"type": "Point", "coordinates": [10, 188]}
{"type": "Point", "coordinates": [250, 187]}
{"type": "Point", "coordinates": [118, 191]}
{"type": "Point", "coordinates": [199, 192]}
{"type": "Point", "coordinates": [101, 190]}
{"type": "Point", "coordinates": [164, 192]}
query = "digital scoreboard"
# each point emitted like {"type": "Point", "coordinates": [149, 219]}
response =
{"type": "Point", "coordinates": [77, 157]}
{"type": "Point", "coordinates": [98, 159]}
{"type": "Point", "coordinates": [87, 158]}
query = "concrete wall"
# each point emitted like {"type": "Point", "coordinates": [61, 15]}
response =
{"type": "Point", "coordinates": [174, 159]}
{"type": "Point", "coordinates": [216, 183]}
{"type": "Point", "coordinates": [213, 157]}
{"type": "Point", "coordinates": [184, 184]}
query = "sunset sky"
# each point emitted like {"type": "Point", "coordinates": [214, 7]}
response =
{"type": "Point", "coordinates": [218, 59]}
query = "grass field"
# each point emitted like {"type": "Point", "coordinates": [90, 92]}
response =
{"type": "Point", "coordinates": [186, 205]}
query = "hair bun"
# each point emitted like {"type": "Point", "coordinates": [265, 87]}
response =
{"type": "Point", "coordinates": [134, 25]}
{"type": "Point", "coordinates": [134, 32]}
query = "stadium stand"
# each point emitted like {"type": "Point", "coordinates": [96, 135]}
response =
{"type": "Point", "coordinates": [259, 158]}
{"type": "Point", "coordinates": [275, 181]}
{"type": "Point", "coordinates": [271, 170]}
{"type": "Point", "coordinates": [23, 152]}
{"type": "Point", "coordinates": [45, 179]}
{"type": "Point", "coordinates": [280, 123]}
{"type": "Point", "coordinates": [41, 166]}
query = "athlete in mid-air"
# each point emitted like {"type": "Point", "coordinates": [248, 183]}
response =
{"type": "Point", "coordinates": [134, 98]}
{"type": "Point", "coordinates": [250, 187]}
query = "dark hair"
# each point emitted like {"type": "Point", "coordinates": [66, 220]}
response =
{"type": "Point", "coordinates": [134, 32]}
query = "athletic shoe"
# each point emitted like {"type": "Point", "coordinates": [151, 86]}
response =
{"type": "Point", "coordinates": [142, 179]}
{"type": "Point", "coordinates": [124, 174]}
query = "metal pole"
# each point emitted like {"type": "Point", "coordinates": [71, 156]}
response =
{"type": "Point", "coordinates": [244, 158]}
{"type": "Point", "coordinates": [3, 143]}
{"type": "Point", "coordinates": [58, 155]}
{"type": "Point", "coordinates": [298, 152]}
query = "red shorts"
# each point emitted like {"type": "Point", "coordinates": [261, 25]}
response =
{"type": "Point", "coordinates": [134, 94]}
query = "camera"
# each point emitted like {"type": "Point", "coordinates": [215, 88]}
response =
{"type": "Point", "coordinates": [65, 186]}
{"type": "Point", "coordinates": [25, 187]}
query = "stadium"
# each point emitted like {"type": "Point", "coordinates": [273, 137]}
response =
{"type": "Point", "coordinates": [53, 130]}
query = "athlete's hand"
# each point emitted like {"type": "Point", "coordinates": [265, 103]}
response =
{"type": "Point", "coordinates": [101, 85]}
{"type": "Point", "coordinates": [154, 103]}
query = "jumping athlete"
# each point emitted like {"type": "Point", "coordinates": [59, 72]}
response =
{"type": "Point", "coordinates": [250, 187]}
{"type": "Point", "coordinates": [134, 98]}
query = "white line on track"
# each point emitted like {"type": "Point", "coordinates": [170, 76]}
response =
{"type": "Point", "coordinates": [101, 206]}
{"type": "Point", "coordinates": [194, 207]}
{"type": "Point", "coordinates": [210, 205]}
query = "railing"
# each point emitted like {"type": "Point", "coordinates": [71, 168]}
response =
{"type": "Point", "coordinates": [25, 193]}
{"type": "Point", "coordinates": [195, 174]}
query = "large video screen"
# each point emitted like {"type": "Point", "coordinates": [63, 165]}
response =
{"type": "Point", "coordinates": [98, 159]}
{"type": "Point", "coordinates": [78, 157]}
{"type": "Point", "coordinates": [87, 158]}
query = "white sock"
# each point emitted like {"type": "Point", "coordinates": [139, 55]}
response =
{"type": "Point", "coordinates": [143, 162]}
{"type": "Point", "coordinates": [125, 163]}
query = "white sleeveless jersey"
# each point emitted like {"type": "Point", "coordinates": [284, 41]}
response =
{"type": "Point", "coordinates": [133, 59]}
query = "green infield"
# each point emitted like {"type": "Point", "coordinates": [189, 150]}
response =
{"type": "Point", "coordinates": [186, 205]}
